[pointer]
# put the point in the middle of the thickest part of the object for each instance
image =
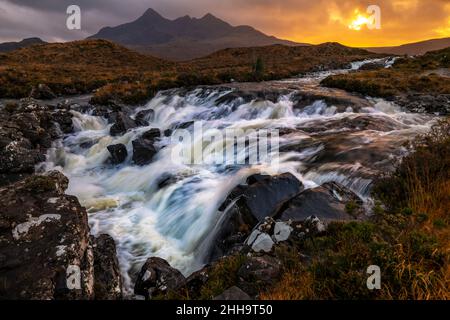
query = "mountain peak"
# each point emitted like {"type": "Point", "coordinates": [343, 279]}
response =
{"type": "Point", "coordinates": [185, 36]}
{"type": "Point", "coordinates": [209, 16]}
{"type": "Point", "coordinates": [151, 13]}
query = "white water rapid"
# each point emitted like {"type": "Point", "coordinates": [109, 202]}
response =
{"type": "Point", "coordinates": [321, 143]}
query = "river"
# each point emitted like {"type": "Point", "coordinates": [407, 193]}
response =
{"type": "Point", "coordinates": [319, 142]}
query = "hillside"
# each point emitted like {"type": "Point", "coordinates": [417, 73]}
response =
{"type": "Point", "coordinates": [130, 77]}
{"type": "Point", "coordinates": [73, 67]}
{"type": "Point", "coordinates": [184, 38]}
{"type": "Point", "coordinates": [417, 83]}
{"type": "Point", "coordinates": [280, 61]}
{"type": "Point", "coordinates": [10, 46]}
{"type": "Point", "coordinates": [423, 74]}
{"type": "Point", "coordinates": [417, 48]}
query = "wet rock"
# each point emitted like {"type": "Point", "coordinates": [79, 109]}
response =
{"type": "Point", "coordinates": [64, 120]}
{"type": "Point", "coordinates": [233, 293]}
{"type": "Point", "coordinates": [248, 204]}
{"type": "Point", "coordinates": [42, 92]}
{"type": "Point", "coordinates": [101, 111]}
{"type": "Point", "coordinates": [425, 103]}
{"type": "Point", "coordinates": [44, 241]}
{"type": "Point", "coordinates": [118, 153]}
{"type": "Point", "coordinates": [152, 134]}
{"type": "Point", "coordinates": [329, 202]}
{"type": "Point", "coordinates": [107, 278]}
{"type": "Point", "coordinates": [183, 125]}
{"type": "Point", "coordinates": [25, 133]}
{"type": "Point", "coordinates": [122, 124]}
{"type": "Point", "coordinates": [157, 277]}
{"type": "Point", "coordinates": [266, 194]}
{"type": "Point", "coordinates": [144, 147]}
{"type": "Point", "coordinates": [373, 66]}
{"type": "Point", "coordinates": [144, 117]}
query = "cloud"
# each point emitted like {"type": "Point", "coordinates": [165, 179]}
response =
{"type": "Point", "coordinates": [300, 20]}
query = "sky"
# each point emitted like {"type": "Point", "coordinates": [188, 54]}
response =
{"type": "Point", "coordinates": [308, 21]}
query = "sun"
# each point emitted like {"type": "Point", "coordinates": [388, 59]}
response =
{"type": "Point", "coordinates": [359, 21]}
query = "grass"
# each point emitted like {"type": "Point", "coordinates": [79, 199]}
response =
{"type": "Point", "coordinates": [409, 238]}
{"type": "Point", "coordinates": [122, 75]}
{"type": "Point", "coordinates": [74, 67]}
{"type": "Point", "coordinates": [408, 75]}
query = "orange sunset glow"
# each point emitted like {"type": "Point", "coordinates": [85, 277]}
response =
{"type": "Point", "coordinates": [403, 21]}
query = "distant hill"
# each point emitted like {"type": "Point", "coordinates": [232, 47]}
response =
{"type": "Point", "coordinates": [124, 75]}
{"type": "Point", "coordinates": [184, 38]}
{"type": "Point", "coordinates": [417, 48]}
{"type": "Point", "coordinates": [10, 46]}
{"type": "Point", "coordinates": [281, 60]}
{"type": "Point", "coordinates": [74, 67]}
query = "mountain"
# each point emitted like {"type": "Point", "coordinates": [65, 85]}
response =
{"type": "Point", "coordinates": [184, 38]}
{"type": "Point", "coordinates": [10, 46]}
{"type": "Point", "coordinates": [417, 48]}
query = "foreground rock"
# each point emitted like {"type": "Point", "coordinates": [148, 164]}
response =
{"type": "Point", "coordinates": [122, 124]}
{"type": "Point", "coordinates": [118, 153]}
{"type": "Point", "coordinates": [144, 147]}
{"type": "Point", "coordinates": [107, 278]}
{"type": "Point", "coordinates": [329, 202]}
{"type": "Point", "coordinates": [45, 248]}
{"type": "Point", "coordinates": [27, 129]}
{"type": "Point", "coordinates": [157, 277]}
{"type": "Point", "coordinates": [262, 196]}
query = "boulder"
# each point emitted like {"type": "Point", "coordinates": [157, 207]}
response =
{"type": "Point", "coordinates": [260, 241]}
{"type": "Point", "coordinates": [329, 202]}
{"type": "Point", "coordinates": [118, 153]}
{"type": "Point", "coordinates": [233, 293]}
{"type": "Point", "coordinates": [144, 147]}
{"type": "Point", "coordinates": [157, 277]}
{"type": "Point", "coordinates": [42, 92]}
{"type": "Point", "coordinates": [249, 204]}
{"type": "Point", "coordinates": [265, 194]}
{"type": "Point", "coordinates": [122, 124]}
{"type": "Point", "coordinates": [425, 103]}
{"type": "Point", "coordinates": [45, 252]}
{"type": "Point", "coordinates": [26, 131]}
{"type": "Point", "coordinates": [64, 119]}
{"type": "Point", "coordinates": [152, 134]}
{"type": "Point", "coordinates": [144, 117]}
{"type": "Point", "coordinates": [107, 278]}
{"type": "Point", "coordinates": [372, 66]}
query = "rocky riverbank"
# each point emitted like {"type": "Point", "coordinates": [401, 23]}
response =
{"type": "Point", "coordinates": [46, 248]}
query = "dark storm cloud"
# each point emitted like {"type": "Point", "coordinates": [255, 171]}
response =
{"type": "Point", "coordinates": [301, 20]}
{"type": "Point", "coordinates": [46, 18]}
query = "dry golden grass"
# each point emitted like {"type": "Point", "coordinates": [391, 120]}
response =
{"type": "Point", "coordinates": [410, 241]}
{"type": "Point", "coordinates": [408, 75]}
{"type": "Point", "coordinates": [82, 66]}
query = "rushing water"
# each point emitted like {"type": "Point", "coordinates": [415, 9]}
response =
{"type": "Point", "coordinates": [321, 143]}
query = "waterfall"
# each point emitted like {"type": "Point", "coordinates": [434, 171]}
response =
{"type": "Point", "coordinates": [173, 220]}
